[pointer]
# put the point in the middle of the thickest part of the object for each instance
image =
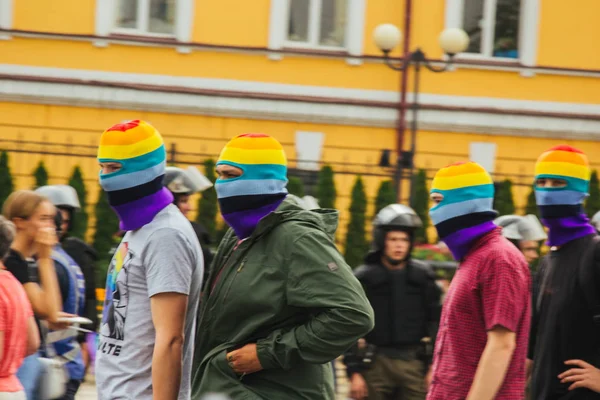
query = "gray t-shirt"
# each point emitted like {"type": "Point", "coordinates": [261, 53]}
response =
{"type": "Point", "coordinates": [162, 256]}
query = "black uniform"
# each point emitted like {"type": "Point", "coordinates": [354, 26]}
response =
{"type": "Point", "coordinates": [407, 307]}
{"type": "Point", "coordinates": [563, 326]}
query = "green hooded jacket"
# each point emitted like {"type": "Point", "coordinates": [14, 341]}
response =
{"type": "Point", "coordinates": [288, 289]}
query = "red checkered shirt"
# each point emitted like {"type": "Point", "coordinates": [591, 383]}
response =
{"type": "Point", "coordinates": [490, 288]}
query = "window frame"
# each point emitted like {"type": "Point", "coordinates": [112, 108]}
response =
{"type": "Point", "coordinates": [528, 30]}
{"type": "Point", "coordinates": [314, 28]}
{"type": "Point", "coordinates": [143, 19]}
{"type": "Point", "coordinates": [353, 35]}
{"type": "Point", "coordinates": [106, 23]}
{"type": "Point", "coordinates": [6, 17]}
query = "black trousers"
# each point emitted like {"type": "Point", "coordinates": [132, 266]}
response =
{"type": "Point", "coordinates": [72, 388]}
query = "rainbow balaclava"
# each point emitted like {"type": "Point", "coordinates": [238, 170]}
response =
{"type": "Point", "coordinates": [262, 186]}
{"type": "Point", "coordinates": [561, 208]}
{"type": "Point", "coordinates": [136, 191]}
{"type": "Point", "coordinates": [465, 214]}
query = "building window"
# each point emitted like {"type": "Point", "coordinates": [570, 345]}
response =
{"type": "Point", "coordinates": [154, 17]}
{"type": "Point", "coordinates": [317, 23]}
{"type": "Point", "coordinates": [492, 26]}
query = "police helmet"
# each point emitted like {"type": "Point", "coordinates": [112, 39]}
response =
{"type": "Point", "coordinates": [516, 227]}
{"type": "Point", "coordinates": [395, 217]}
{"type": "Point", "coordinates": [62, 196]}
{"type": "Point", "coordinates": [185, 181]}
{"type": "Point", "coordinates": [596, 221]}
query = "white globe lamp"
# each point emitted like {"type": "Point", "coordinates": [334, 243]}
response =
{"type": "Point", "coordinates": [386, 37]}
{"type": "Point", "coordinates": [454, 41]}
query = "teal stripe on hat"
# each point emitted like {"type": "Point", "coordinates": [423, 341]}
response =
{"type": "Point", "coordinates": [137, 164]}
{"type": "Point", "coordinates": [443, 212]}
{"type": "Point", "coordinates": [258, 171]}
{"type": "Point", "coordinates": [575, 184]}
{"type": "Point", "coordinates": [465, 193]}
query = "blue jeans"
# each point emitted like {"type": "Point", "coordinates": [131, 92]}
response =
{"type": "Point", "coordinates": [29, 375]}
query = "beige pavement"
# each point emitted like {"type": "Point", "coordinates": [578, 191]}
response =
{"type": "Point", "coordinates": [87, 391]}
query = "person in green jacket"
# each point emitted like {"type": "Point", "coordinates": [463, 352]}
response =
{"type": "Point", "coordinates": [280, 302]}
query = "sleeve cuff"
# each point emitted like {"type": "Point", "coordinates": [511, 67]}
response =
{"type": "Point", "coordinates": [264, 355]}
{"type": "Point", "coordinates": [503, 322]}
{"type": "Point", "coordinates": [169, 289]}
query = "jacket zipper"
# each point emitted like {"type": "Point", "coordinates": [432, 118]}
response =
{"type": "Point", "coordinates": [237, 272]}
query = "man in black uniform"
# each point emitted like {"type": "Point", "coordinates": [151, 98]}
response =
{"type": "Point", "coordinates": [393, 361]}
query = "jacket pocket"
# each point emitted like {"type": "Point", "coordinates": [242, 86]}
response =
{"type": "Point", "coordinates": [222, 365]}
{"type": "Point", "coordinates": [229, 382]}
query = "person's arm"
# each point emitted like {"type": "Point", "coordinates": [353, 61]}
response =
{"type": "Point", "coordinates": [170, 265]}
{"type": "Point", "coordinates": [493, 364]}
{"type": "Point", "coordinates": [33, 336]}
{"type": "Point", "coordinates": [45, 298]}
{"type": "Point", "coordinates": [505, 295]}
{"type": "Point", "coordinates": [318, 280]}
{"type": "Point", "coordinates": [168, 316]}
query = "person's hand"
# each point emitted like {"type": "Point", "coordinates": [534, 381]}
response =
{"type": "Point", "coordinates": [428, 378]}
{"type": "Point", "coordinates": [45, 240]}
{"type": "Point", "coordinates": [358, 387]}
{"type": "Point", "coordinates": [244, 360]}
{"type": "Point", "coordinates": [586, 376]}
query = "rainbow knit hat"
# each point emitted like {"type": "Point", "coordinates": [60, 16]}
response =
{"type": "Point", "coordinates": [561, 208]}
{"type": "Point", "coordinates": [262, 186]}
{"type": "Point", "coordinates": [466, 212]}
{"type": "Point", "coordinates": [136, 191]}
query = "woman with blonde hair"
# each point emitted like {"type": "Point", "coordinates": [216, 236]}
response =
{"type": "Point", "coordinates": [33, 217]}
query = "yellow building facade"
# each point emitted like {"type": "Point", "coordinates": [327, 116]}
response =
{"type": "Point", "coordinates": [304, 71]}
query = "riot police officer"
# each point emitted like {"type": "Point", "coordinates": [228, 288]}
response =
{"type": "Point", "coordinates": [183, 183]}
{"type": "Point", "coordinates": [393, 360]}
{"type": "Point", "coordinates": [525, 232]}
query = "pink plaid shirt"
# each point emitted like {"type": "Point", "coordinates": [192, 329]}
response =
{"type": "Point", "coordinates": [491, 288]}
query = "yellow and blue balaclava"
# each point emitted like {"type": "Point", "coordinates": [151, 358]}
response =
{"type": "Point", "coordinates": [136, 191]}
{"type": "Point", "coordinates": [466, 213]}
{"type": "Point", "coordinates": [261, 188]}
{"type": "Point", "coordinates": [561, 208]}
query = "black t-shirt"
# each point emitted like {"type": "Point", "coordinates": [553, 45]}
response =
{"type": "Point", "coordinates": [16, 264]}
{"type": "Point", "coordinates": [25, 272]}
{"type": "Point", "coordinates": [562, 326]}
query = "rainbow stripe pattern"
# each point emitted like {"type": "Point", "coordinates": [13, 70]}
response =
{"type": "Point", "coordinates": [466, 211]}
{"type": "Point", "coordinates": [260, 189]}
{"type": "Point", "coordinates": [561, 208]}
{"type": "Point", "coordinates": [135, 192]}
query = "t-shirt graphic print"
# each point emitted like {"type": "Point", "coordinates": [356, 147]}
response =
{"type": "Point", "coordinates": [117, 295]}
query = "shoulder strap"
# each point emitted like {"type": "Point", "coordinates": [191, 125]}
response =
{"type": "Point", "coordinates": [589, 279]}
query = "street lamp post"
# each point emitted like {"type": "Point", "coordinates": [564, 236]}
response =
{"type": "Point", "coordinates": [388, 36]}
